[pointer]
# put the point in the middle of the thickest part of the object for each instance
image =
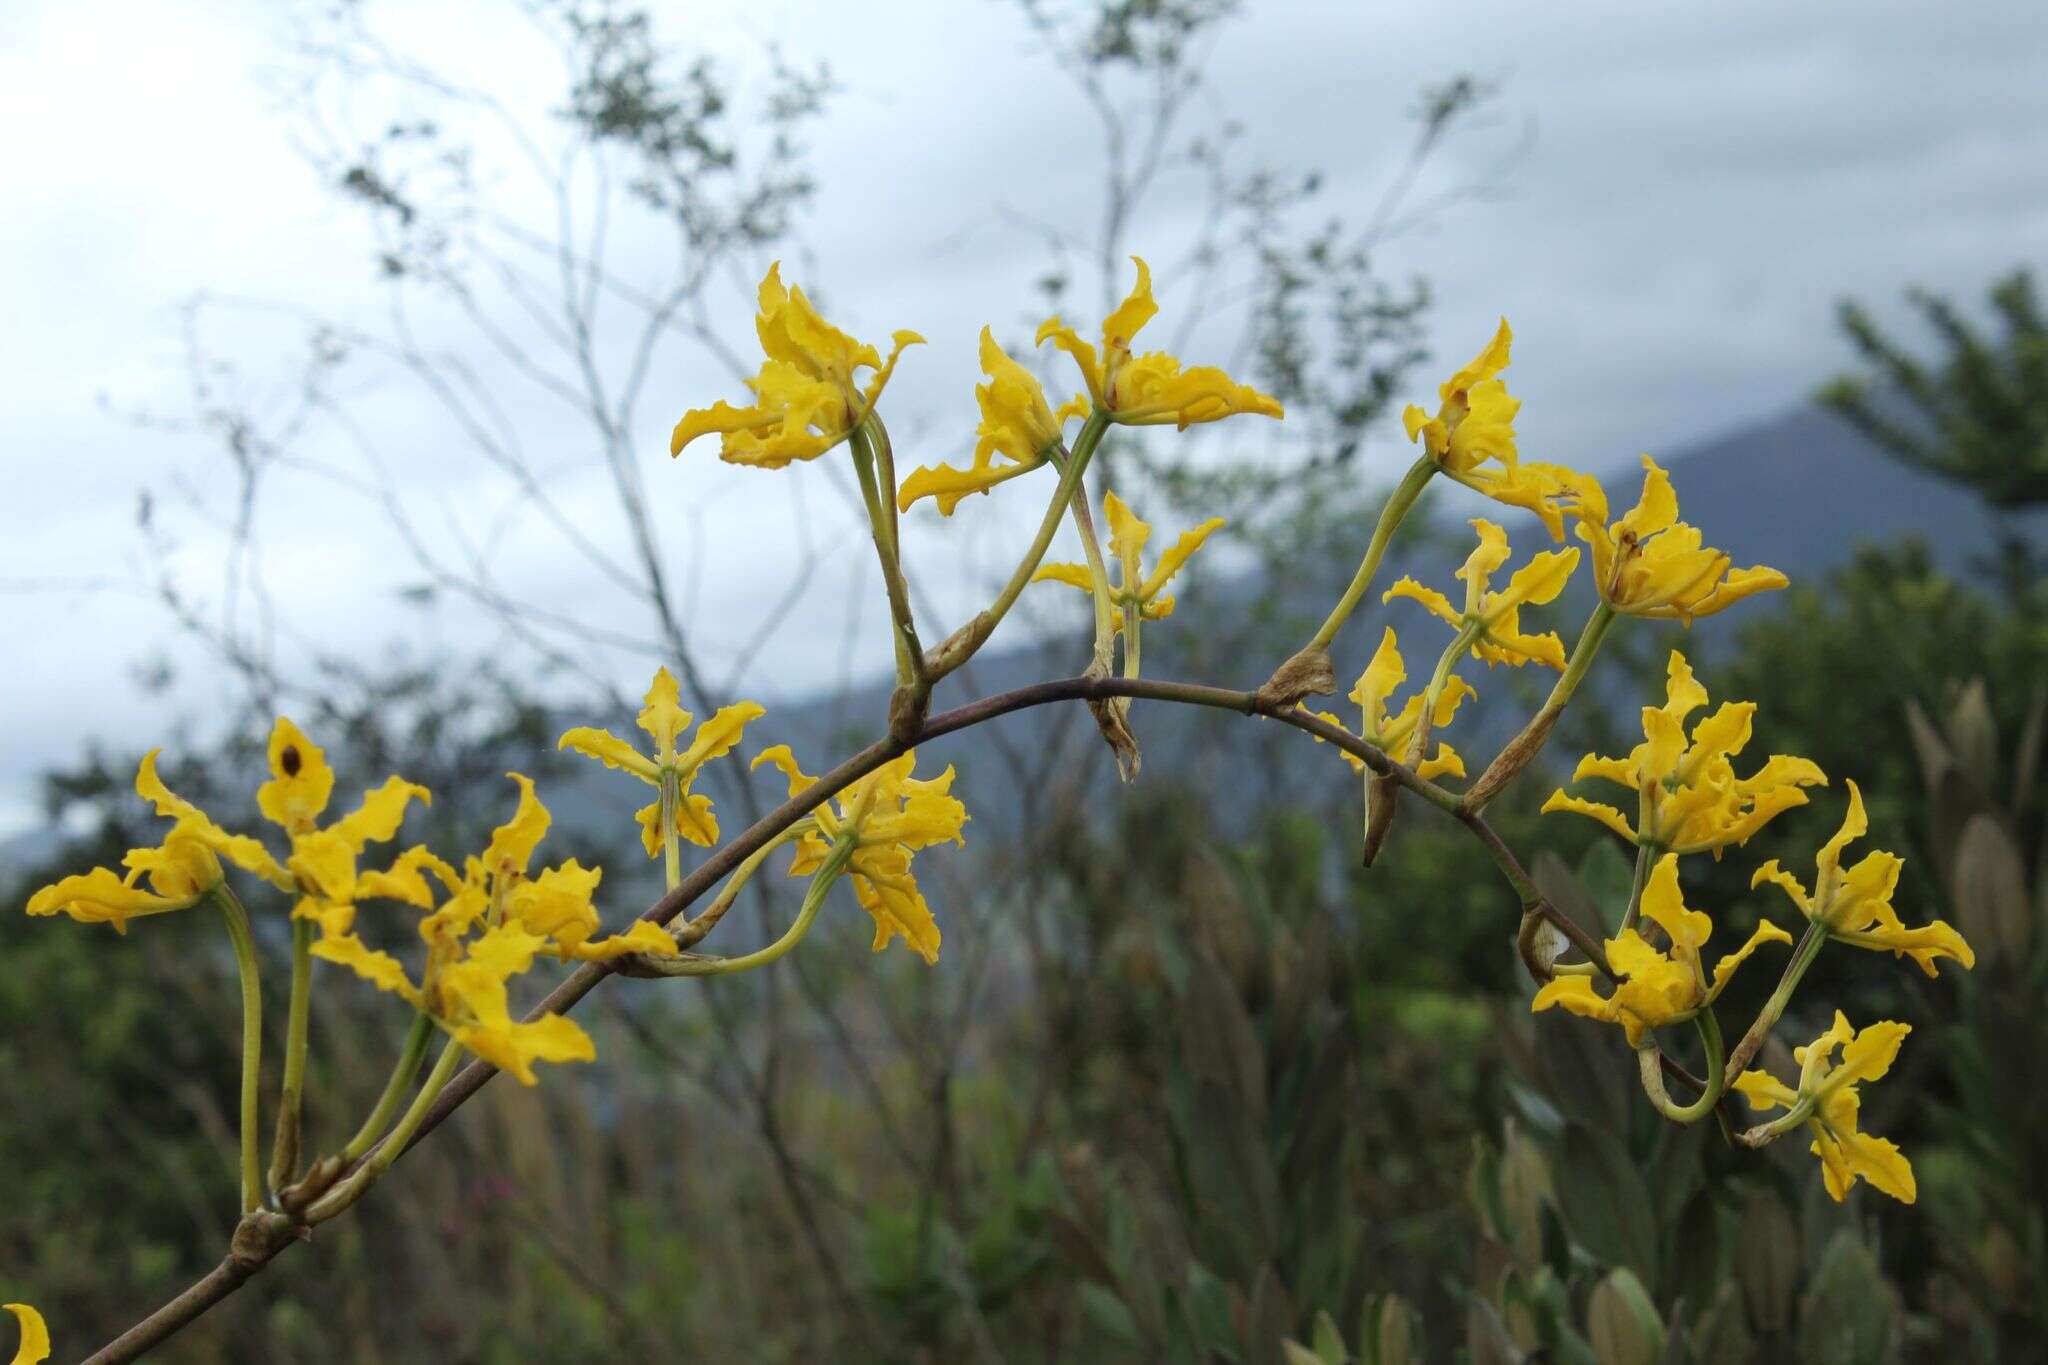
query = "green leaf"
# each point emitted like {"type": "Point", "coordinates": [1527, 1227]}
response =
{"type": "Point", "coordinates": [1847, 1314]}
{"type": "Point", "coordinates": [1767, 1259]}
{"type": "Point", "coordinates": [1327, 1340]}
{"type": "Point", "coordinates": [1607, 873]}
{"type": "Point", "coordinates": [1625, 1326]}
{"type": "Point", "coordinates": [1605, 1201]}
{"type": "Point", "coordinates": [1993, 910]}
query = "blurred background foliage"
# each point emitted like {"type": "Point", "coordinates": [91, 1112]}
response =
{"type": "Point", "coordinates": [1189, 1084]}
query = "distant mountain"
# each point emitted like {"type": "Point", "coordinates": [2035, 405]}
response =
{"type": "Point", "coordinates": [1801, 492]}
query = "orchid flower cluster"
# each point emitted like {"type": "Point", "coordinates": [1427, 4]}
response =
{"type": "Point", "coordinates": [482, 923]}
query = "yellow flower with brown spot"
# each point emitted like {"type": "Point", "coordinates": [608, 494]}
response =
{"type": "Point", "coordinates": [35, 1335]}
{"type": "Point", "coordinates": [1492, 620]}
{"type": "Point", "coordinates": [1855, 906]}
{"type": "Point", "coordinates": [884, 818]}
{"type": "Point", "coordinates": [664, 719]}
{"type": "Point", "coordinates": [1657, 988]}
{"type": "Point", "coordinates": [1649, 563]}
{"type": "Point", "coordinates": [1689, 799]}
{"type": "Point", "coordinates": [1395, 732]}
{"type": "Point", "coordinates": [1016, 423]}
{"type": "Point", "coordinates": [323, 859]}
{"type": "Point", "coordinates": [1150, 389]}
{"type": "Point", "coordinates": [1827, 1103]}
{"type": "Point", "coordinates": [1136, 594]}
{"type": "Point", "coordinates": [806, 397]}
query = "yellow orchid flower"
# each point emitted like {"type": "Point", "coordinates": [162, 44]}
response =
{"type": "Point", "coordinates": [664, 719]}
{"type": "Point", "coordinates": [35, 1335]}
{"type": "Point", "coordinates": [1475, 423]}
{"type": "Point", "coordinates": [1690, 798]}
{"type": "Point", "coordinates": [181, 871]}
{"type": "Point", "coordinates": [1135, 590]}
{"type": "Point", "coordinates": [323, 859]}
{"type": "Point", "coordinates": [491, 925]}
{"type": "Point", "coordinates": [1475, 419]}
{"type": "Point", "coordinates": [1493, 619]}
{"type": "Point", "coordinates": [1150, 389]}
{"type": "Point", "coordinates": [470, 1001]}
{"type": "Point", "coordinates": [1016, 423]}
{"type": "Point", "coordinates": [886, 816]}
{"type": "Point", "coordinates": [1395, 732]}
{"type": "Point", "coordinates": [1649, 563]}
{"type": "Point", "coordinates": [1658, 988]}
{"type": "Point", "coordinates": [1826, 1101]}
{"type": "Point", "coordinates": [805, 398]}
{"type": "Point", "coordinates": [1855, 906]}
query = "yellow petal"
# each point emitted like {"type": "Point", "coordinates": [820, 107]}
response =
{"type": "Point", "coordinates": [644, 936]}
{"type": "Point", "coordinates": [1154, 390]}
{"type": "Point", "coordinates": [1073, 575]}
{"type": "Point", "coordinates": [1376, 684]}
{"type": "Point", "coordinates": [662, 715]}
{"type": "Point", "coordinates": [1846, 1156]}
{"type": "Point", "coordinates": [946, 486]}
{"type": "Point", "coordinates": [557, 905]}
{"type": "Point", "coordinates": [403, 880]}
{"type": "Point", "coordinates": [1765, 1091]}
{"type": "Point", "coordinates": [1503, 643]}
{"type": "Point", "coordinates": [1478, 568]}
{"type": "Point", "coordinates": [300, 780]}
{"type": "Point", "coordinates": [1491, 360]}
{"type": "Point", "coordinates": [1664, 905]}
{"type": "Point", "coordinates": [609, 750]}
{"type": "Point", "coordinates": [35, 1335]}
{"type": "Point", "coordinates": [1738, 584]}
{"type": "Point", "coordinates": [883, 885]}
{"type": "Point", "coordinates": [718, 736]}
{"type": "Point", "coordinates": [1068, 340]}
{"type": "Point", "coordinates": [380, 814]}
{"type": "Point", "coordinates": [1766, 932]}
{"type": "Point", "coordinates": [694, 820]}
{"type": "Point", "coordinates": [1771, 872]}
{"type": "Point", "coordinates": [1657, 509]}
{"type": "Point", "coordinates": [1615, 770]}
{"type": "Point", "coordinates": [1683, 693]}
{"type": "Point", "coordinates": [102, 897]}
{"type": "Point", "coordinates": [1121, 327]}
{"type": "Point", "coordinates": [1430, 598]}
{"type": "Point", "coordinates": [512, 843]}
{"type": "Point", "coordinates": [1605, 814]}
{"type": "Point", "coordinates": [1445, 762]}
{"type": "Point", "coordinates": [1177, 555]}
{"type": "Point", "coordinates": [1576, 994]}
{"type": "Point", "coordinates": [1127, 534]}
{"type": "Point", "coordinates": [375, 966]}
{"type": "Point", "coordinates": [1537, 582]}
{"type": "Point", "coordinates": [515, 1047]}
{"type": "Point", "coordinates": [781, 758]}
{"type": "Point", "coordinates": [1854, 825]}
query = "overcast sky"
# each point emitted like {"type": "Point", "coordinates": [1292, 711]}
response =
{"type": "Point", "coordinates": [1680, 196]}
